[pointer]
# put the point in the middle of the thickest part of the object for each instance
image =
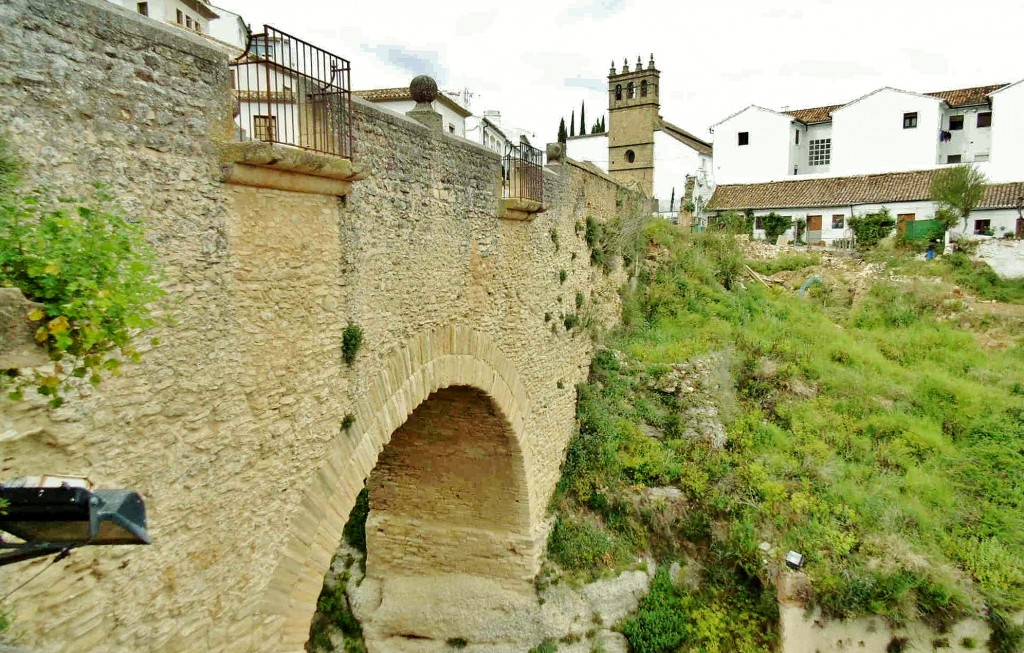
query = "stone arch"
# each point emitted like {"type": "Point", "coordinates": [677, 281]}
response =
{"type": "Point", "coordinates": [618, 91]}
{"type": "Point", "coordinates": [453, 356]}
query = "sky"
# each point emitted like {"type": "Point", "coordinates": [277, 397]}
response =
{"type": "Point", "coordinates": [537, 60]}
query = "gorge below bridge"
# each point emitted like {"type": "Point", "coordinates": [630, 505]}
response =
{"type": "Point", "coordinates": [245, 431]}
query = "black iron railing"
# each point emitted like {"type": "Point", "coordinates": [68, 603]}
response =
{"type": "Point", "coordinates": [291, 92]}
{"type": "Point", "coordinates": [522, 172]}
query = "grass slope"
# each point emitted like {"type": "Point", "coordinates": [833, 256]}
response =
{"type": "Point", "coordinates": [879, 439]}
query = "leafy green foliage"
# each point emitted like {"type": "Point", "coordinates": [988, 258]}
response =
{"type": "Point", "coordinates": [731, 222]}
{"type": "Point", "coordinates": [582, 544]}
{"type": "Point", "coordinates": [547, 646]}
{"type": "Point", "coordinates": [355, 528]}
{"type": "Point", "coordinates": [562, 275]}
{"type": "Point", "coordinates": [879, 439]}
{"type": "Point", "coordinates": [785, 262]}
{"type": "Point", "coordinates": [91, 269]}
{"type": "Point", "coordinates": [554, 238]}
{"type": "Point", "coordinates": [958, 191]}
{"type": "Point", "coordinates": [775, 225]}
{"type": "Point", "coordinates": [351, 341]}
{"type": "Point", "coordinates": [871, 228]}
{"type": "Point", "coordinates": [979, 278]}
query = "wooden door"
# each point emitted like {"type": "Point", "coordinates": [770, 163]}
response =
{"type": "Point", "coordinates": [814, 223]}
{"type": "Point", "coordinates": [901, 221]}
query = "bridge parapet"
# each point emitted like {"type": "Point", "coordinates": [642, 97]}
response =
{"type": "Point", "coordinates": [232, 429]}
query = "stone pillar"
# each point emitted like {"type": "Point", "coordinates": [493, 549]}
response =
{"type": "Point", "coordinates": [424, 90]}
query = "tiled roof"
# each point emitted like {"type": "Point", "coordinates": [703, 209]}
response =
{"type": "Point", "coordinates": [960, 97]}
{"type": "Point", "coordinates": [402, 93]}
{"type": "Point", "coordinates": [816, 114]}
{"type": "Point", "coordinates": [685, 137]}
{"type": "Point", "coordinates": [963, 97]}
{"type": "Point", "coordinates": [1003, 196]}
{"type": "Point", "coordinates": [846, 191]}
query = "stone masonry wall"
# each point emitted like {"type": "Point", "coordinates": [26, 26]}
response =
{"type": "Point", "coordinates": [231, 428]}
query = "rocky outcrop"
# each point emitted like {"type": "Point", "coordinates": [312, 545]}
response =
{"type": "Point", "coordinates": [18, 347]}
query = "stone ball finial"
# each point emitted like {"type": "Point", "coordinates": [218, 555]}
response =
{"type": "Point", "coordinates": [423, 89]}
{"type": "Point", "coordinates": [555, 152]}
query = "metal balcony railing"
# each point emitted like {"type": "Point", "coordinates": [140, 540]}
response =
{"type": "Point", "coordinates": [522, 173]}
{"type": "Point", "coordinates": [291, 92]}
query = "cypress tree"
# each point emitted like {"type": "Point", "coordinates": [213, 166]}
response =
{"type": "Point", "coordinates": [572, 124]}
{"type": "Point", "coordinates": [562, 134]}
{"type": "Point", "coordinates": [583, 118]}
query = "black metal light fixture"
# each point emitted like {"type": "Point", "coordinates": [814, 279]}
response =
{"type": "Point", "coordinates": [53, 519]}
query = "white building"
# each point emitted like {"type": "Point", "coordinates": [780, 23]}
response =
{"type": "Point", "coordinates": [194, 15]}
{"type": "Point", "coordinates": [826, 204]}
{"type": "Point", "coordinates": [887, 130]}
{"type": "Point", "coordinates": [229, 28]}
{"type": "Point", "coordinates": [825, 164]}
{"type": "Point", "coordinates": [400, 100]}
{"type": "Point", "coordinates": [666, 162]}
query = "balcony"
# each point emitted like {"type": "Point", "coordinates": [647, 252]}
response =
{"type": "Point", "coordinates": [290, 92]}
{"type": "Point", "coordinates": [522, 182]}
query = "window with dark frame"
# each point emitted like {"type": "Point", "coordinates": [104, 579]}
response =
{"type": "Point", "coordinates": [264, 128]}
{"type": "Point", "coordinates": [618, 91]}
{"type": "Point", "coordinates": [757, 222]}
{"type": "Point", "coordinates": [643, 88]}
{"type": "Point", "coordinates": [143, 8]}
{"type": "Point", "coordinates": [982, 227]}
{"type": "Point", "coordinates": [838, 221]}
{"type": "Point", "coordinates": [953, 158]}
{"type": "Point", "coordinates": [180, 17]}
{"type": "Point", "coordinates": [819, 152]}
{"type": "Point", "coordinates": [985, 119]}
{"type": "Point", "coordinates": [798, 137]}
{"type": "Point", "coordinates": [743, 138]}
{"type": "Point", "coordinates": [956, 123]}
{"type": "Point", "coordinates": [910, 120]}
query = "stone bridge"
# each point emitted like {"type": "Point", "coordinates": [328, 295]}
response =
{"type": "Point", "coordinates": [245, 431]}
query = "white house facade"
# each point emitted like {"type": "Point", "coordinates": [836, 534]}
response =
{"type": "Point", "coordinates": [400, 100]}
{"type": "Point", "coordinates": [194, 15]}
{"type": "Point", "coordinates": [888, 130]}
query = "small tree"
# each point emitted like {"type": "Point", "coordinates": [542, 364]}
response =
{"type": "Point", "coordinates": [958, 191]}
{"type": "Point", "coordinates": [572, 124]}
{"type": "Point", "coordinates": [563, 135]}
{"type": "Point", "coordinates": [583, 118]}
{"type": "Point", "coordinates": [871, 228]}
{"type": "Point", "coordinates": [775, 225]}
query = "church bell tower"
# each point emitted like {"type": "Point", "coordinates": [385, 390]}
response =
{"type": "Point", "coordinates": [633, 115]}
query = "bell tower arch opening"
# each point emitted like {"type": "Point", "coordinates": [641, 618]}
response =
{"type": "Point", "coordinates": [633, 117]}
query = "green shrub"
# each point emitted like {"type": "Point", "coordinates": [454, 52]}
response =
{"type": "Point", "coordinates": [457, 642]}
{"type": "Point", "coordinates": [869, 229]}
{"type": "Point", "coordinates": [554, 238]}
{"type": "Point", "coordinates": [784, 263]}
{"type": "Point", "coordinates": [562, 275]}
{"type": "Point", "coordinates": [775, 225]}
{"type": "Point", "coordinates": [660, 623]}
{"type": "Point", "coordinates": [580, 544]}
{"type": "Point", "coordinates": [91, 269]}
{"type": "Point", "coordinates": [546, 646]}
{"type": "Point", "coordinates": [351, 341]}
{"type": "Point", "coordinates": [355, 528]}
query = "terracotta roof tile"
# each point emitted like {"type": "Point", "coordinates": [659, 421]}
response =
{"type": "Point", "coordinates": [815, 114]}
{"type": "Point", "coordinates": [402, 93]}
{"type": "Point", "coordinates": [845, 191]}
{"type": "Point", "coordinates": [963, 97]}
{"type": "Point", "coordinates": [1003, 196]}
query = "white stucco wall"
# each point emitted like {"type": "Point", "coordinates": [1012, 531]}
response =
{"type": "Point", "coordinates": [229, 28]}
{"type": "Point", "coordinates": [593, 148]}
{"type": "Point", "coordinates": [1007, 159]}
{"type": "Point", "coordinates": [766, 156]}
{"type": "Point", "coordinates": [672, 162]}
{"type": "Point", "coordinates": [451, 119]}
{"type": "Point", "coordinates": [868, 135]}
{"type": "Point", "coordinates": [1005, 256]}
{"type": "Point", "coordinates": [972, 143]}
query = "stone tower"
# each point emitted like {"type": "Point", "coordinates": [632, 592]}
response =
{"type": "Point", "coordinates": [632, 118]}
